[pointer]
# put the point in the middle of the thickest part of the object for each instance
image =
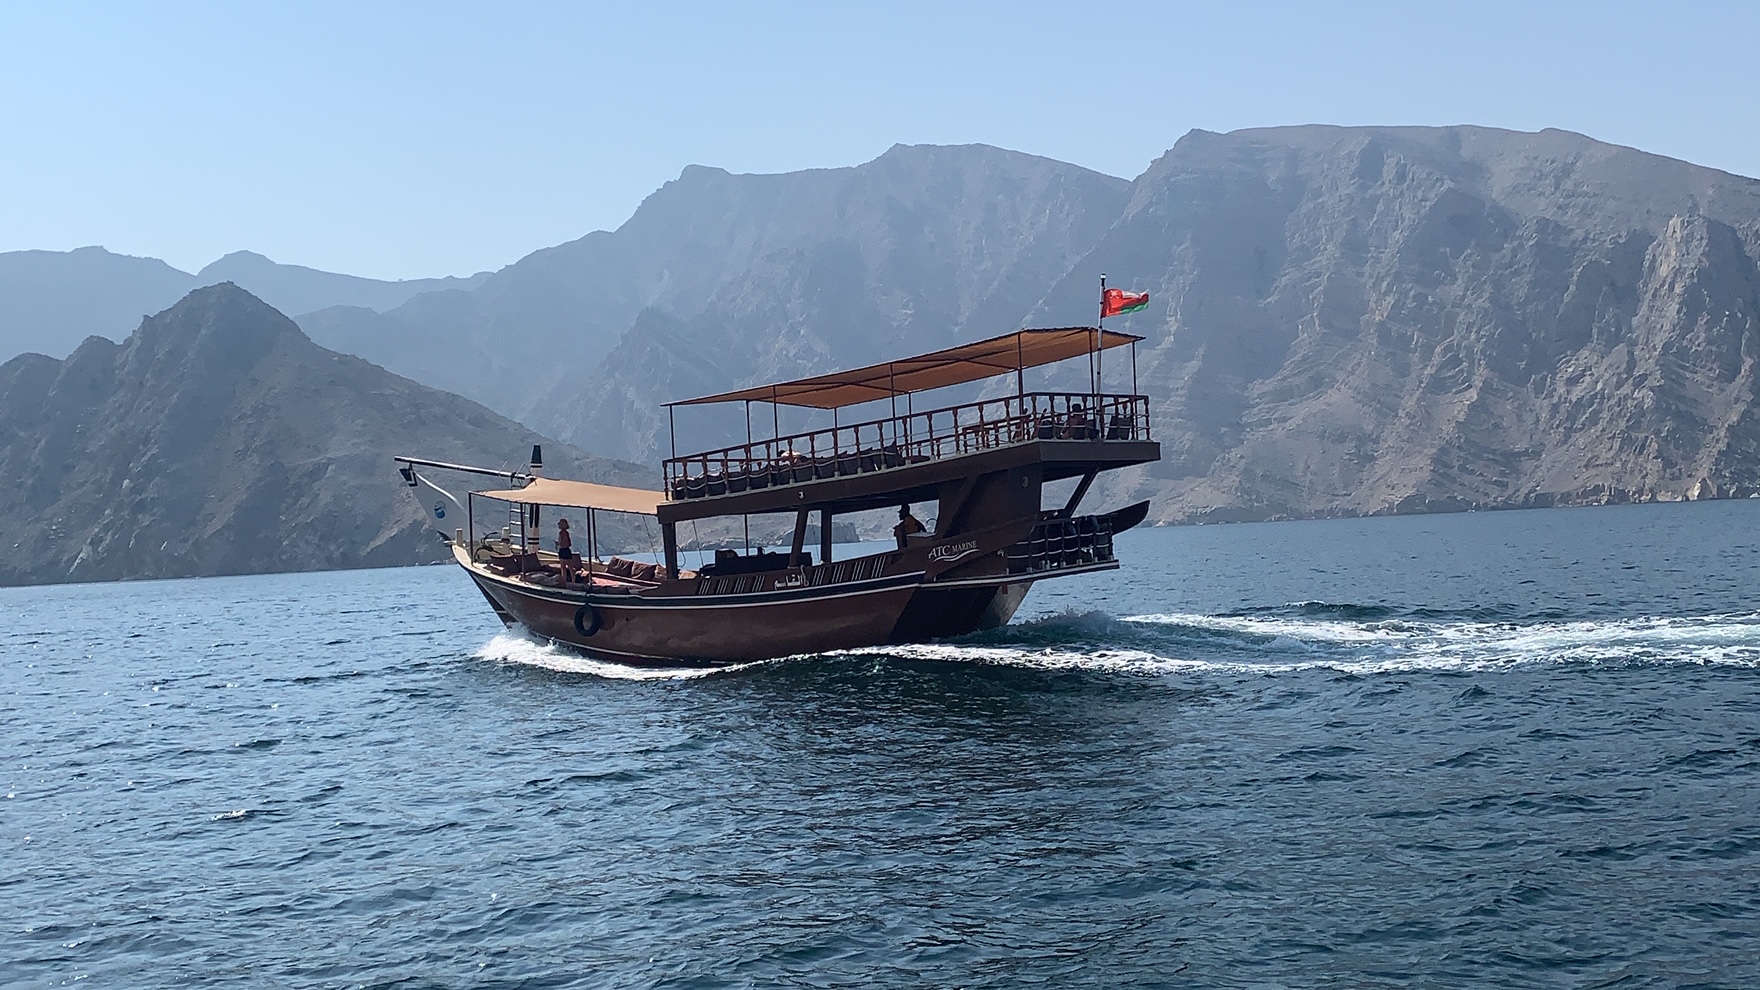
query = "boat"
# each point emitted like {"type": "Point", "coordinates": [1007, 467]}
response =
{"type": "Point", "coordinates": [983, 464]}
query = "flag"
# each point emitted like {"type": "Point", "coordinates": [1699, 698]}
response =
{"type": "Point", "coordinates": [1116, 301]}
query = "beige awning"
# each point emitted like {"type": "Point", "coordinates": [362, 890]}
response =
{"type": "Point", "coordinates": [581, 495]}
{"type": "Point", "coordinates": [937, 369]}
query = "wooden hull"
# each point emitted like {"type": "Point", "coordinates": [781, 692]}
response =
{"type": "Point", "coordinates": [703, 633]}
{"type": "Point", "coordinates": [696, 631]}
{"type": "Point", "coordinates": [983, 464]}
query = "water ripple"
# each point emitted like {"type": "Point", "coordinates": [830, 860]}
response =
{"type": "Point", "coordinates": [1266, 757]}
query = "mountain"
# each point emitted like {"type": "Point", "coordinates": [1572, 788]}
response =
{"type": "Point", "coordinates": [916, 247]}
{"type": "Point", "coordinates": [297, 289]}
{"type": "Point", "coordinates": [1344, 321]}
{"type": "Point", "coordinates": [50, 301]}
{"type": "Point", "coordinates": [922, 248]}
{"type": "Point", "coordinates": [1366, 320]}
{"type": "Point", "coordinates": [218, 439]}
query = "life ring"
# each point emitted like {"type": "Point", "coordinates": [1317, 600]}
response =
{"type": "Point", "coordinates": [586, 620]}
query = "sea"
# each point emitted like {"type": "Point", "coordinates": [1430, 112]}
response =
{"type": "Point", "coordinates": [1513, 749]}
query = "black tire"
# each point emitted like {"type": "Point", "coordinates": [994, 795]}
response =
{"type": "Point", "coordinates": [586, 620]}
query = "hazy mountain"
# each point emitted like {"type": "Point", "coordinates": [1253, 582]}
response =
{"type": "Point", "coordinates": [218, 439]}
{"type": "Point", "coordinates": [50, 301]}
{"type": "Point", "coordinates": [297, 289]}
{"type": "Point", "coordinates": [921, 248]}
{"type": "Point", "coordinates": [911, 248]}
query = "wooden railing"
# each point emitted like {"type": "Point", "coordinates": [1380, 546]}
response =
{"type": "Point", "coordinates": [1057, 543]}
{"type": "Point", "coordinates": [913, 438]}
{"type": "Point", "coordinates": [810, 576]}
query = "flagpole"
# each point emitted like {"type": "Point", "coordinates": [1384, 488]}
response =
{"type": "Point", "coordinates": [1099, 343]}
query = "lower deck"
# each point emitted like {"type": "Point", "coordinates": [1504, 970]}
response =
{"type": "Point", "coordinates": [1051, 546]}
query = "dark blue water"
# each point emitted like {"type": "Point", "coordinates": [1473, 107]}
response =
{"type": "Point", "coordinates": [1515, 749]}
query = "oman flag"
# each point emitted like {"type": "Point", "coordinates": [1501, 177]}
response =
{"type": "Point", "coordinates": [1116, 301]}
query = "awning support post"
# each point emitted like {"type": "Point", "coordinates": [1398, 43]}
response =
{"type": "Point", "coordinates": [1020, 364]}
{"type": "Point", "coordinates": [800, 538]}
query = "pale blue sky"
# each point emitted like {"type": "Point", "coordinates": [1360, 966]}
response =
{"type": "Point", "coordinates": [403, 140]}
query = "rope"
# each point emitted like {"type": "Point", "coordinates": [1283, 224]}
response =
{"type": "Point", "coordinates": [653, 547]}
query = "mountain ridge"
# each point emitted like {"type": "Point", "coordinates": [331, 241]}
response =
{"type": "Point", "coordinates": [50, 301]}
{"type": "Point", "coordinates": [1344, 320]}
{"type": "Point", "coordinates": [218, 439]}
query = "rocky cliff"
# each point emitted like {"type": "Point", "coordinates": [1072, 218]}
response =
{"type": "Point", "coordinates": [1362, 320]}
{"type": "Point", "coordinates": [218, 439]}
{"type": "Point", "coordinates": [1344, 320]}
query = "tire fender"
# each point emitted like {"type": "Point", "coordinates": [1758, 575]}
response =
{"type": "Point", "coordinates": [586, 620]}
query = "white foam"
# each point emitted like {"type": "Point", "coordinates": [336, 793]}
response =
{"type": "Point", "coordinates": [1047, 658]}
{"type": "Point", "coordinates": [1270, 646]}
{"type": "Point", "coordinates": [1173, 643]}
{"type": "Point", "coordinates": [517, 646]}
{"type": "Point", "coordinates": [1387, 645]}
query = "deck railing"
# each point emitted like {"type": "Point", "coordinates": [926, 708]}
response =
{"type": "Point", "coordinates": [913, 438]}
{"type": "Point", "coordinates": [1058, 543]}
{"type": "Point", "coordinates": [809, 576]}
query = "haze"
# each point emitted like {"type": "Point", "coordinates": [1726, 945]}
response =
{"type": "Point", "coordinates": [411, 140]}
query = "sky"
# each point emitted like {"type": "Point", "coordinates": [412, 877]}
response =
{"type": "Point", "coordinates": [400, 140]}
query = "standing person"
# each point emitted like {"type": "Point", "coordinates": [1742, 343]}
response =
{"type": "Point", "coordinates": [565, 552]}
{"type": "Point", "coordinates": [908, 525]}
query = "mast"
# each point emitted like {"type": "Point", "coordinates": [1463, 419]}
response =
{"type": "Point", "coordinates": [1099, 341]}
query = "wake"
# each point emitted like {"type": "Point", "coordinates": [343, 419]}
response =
{"type": "Point", "coordinates": [1298, 637]}
{"type": "Point", "coordinates": [526, 649]}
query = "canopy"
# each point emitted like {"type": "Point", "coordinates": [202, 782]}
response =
{"type": "Point", "coordinates": [581, 495]}
{"type": "Point", "coordinates": [937, 369]}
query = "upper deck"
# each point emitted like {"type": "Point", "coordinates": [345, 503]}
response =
{"type": "Point", "coordinates": [886, 460]}
{"type": "Point", "coordinates": [902, 458]}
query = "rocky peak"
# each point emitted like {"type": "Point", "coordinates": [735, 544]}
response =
{"type": "Point", "coordinates": [213, 334]}
{"type": "Point", "coordinates": [218, 439]}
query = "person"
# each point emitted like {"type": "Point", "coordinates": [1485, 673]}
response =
{"type": "Point", "coordinates": [908, 526]}
{"type": "Point", "coordinates": [1076, 426]}
{"type": "Point", "coordinates": [565, 552]}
